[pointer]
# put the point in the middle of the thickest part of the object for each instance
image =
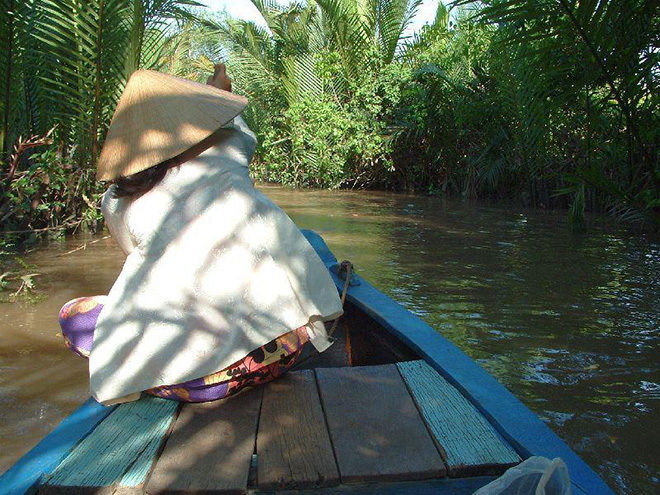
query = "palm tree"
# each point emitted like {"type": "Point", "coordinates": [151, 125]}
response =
{"type": "Point", "coordinates": [604, 56]}
{"type": "Point", "coordinates": [65, 62]}
{"type": "Point", "coordinates": [287, 51]}
{"type": "Point", "coordinates": [317, 52]}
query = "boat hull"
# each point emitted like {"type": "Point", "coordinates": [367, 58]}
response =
{"type": "Point", "coordinates": [407, 337]}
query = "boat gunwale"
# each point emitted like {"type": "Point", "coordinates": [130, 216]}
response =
{"type": "Point", "coordinates": [44, 457]}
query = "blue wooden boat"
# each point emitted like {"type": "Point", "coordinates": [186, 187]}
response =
{"type": "Point", "coordinates": [395, 408]}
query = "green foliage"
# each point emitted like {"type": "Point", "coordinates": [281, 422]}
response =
{"type": "Point", "coordinates": [193, 48]}
{"type": "Point", "coordinates": [583, 87]}
{"type": "Point", "coordinates": [533, 102]}
{"type": "Point", "coordinates": [321, 81]}
{"type": "Point", "coordinates": [325, 146]}
{"type": "Point", "coordinates": [51, 193]}
{"type": "Point", "coordinates": [552, 103]}
{"type": "Point", "coordinates": [63, 65]}
{"type": "Point", "coordinates": [65, 62]}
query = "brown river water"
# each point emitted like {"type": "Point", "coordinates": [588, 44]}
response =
{"type": "Point", "coordinates": [570, 323]}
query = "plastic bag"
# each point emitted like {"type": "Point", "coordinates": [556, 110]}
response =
{"type": "Point", "coordinates": [535, 476]}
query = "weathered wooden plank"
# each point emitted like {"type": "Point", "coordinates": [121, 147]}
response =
{"type": "Point", "coordinates": [336, 356]}
{"type": "Point", "coordinates": [120, 450]}
{"type": "Point", "coordinates": [210, 447]}
{"type": "Point", "coordinates": [54, 448]}
{"type": "Point", "coordinates": [443, 486]}
{"type": "Point", "coordinates": [471, 446]}
{"type": "Point", "coordinates": [513, 420]}
{"type": "Point", "coordinates": [376, 430]}
{"type": "Point", "coordinates": [293, 444]}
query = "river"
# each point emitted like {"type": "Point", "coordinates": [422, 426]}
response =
{"type": "Point", "coordinates": [570, 323]}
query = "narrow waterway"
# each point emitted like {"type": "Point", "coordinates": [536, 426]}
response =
{"type": "Point", "coordinates": [570, 323]}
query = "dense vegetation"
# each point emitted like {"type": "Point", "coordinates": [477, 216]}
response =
{"type": "Point", "coordinates": [63, 65]}
{"type": "Point", "coordinates": [552, 103]}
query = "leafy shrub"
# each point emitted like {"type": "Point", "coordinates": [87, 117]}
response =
{"type": "Point", "coordinates": [50, 194]}
{"type": "Point", "coordinates": [320, 143]}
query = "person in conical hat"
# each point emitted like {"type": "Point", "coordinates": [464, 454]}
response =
{"type": "Point", "coordinates": [219, 289]}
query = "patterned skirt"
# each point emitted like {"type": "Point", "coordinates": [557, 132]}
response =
{"type": "Point", "coordinates": [78, 321]}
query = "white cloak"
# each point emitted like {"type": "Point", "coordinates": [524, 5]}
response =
{"type": "Point", "coordinates": [214, 270]}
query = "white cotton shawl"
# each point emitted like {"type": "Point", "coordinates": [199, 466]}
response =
{"type": "Point", "coordinates": [214, 270]}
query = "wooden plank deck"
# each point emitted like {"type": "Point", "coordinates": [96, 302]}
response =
{"type": "Point", "coordinates": [293, 445]}
{"type": "Point", "coordinates": [468, 443]}
{"type": "Point", "coordinates": [210, 448]}
{"type": "Point", "coordinates": [524, 429]}
{"type": "Point", "coordinates": [375, 426]}
{"type": "Point", "coordinates": [117, 456]}
{"type": "Point", "coordinates": [320, 430]}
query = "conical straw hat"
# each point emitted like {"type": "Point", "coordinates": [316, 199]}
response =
{"type": "Point", "coordinates": [160, 116]}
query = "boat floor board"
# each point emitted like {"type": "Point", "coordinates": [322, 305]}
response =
{"type": "Point", "coordinates": [517, 423]}
{"type": "Point", "coordinates": [468, 442]}
{"type": "Point", "coordinates": [210, 447]}
{"type": "Point", "coordinates": [444, 486]}
{"type": "Point", "coordinates": [329, 430]}
{"type": "Point", "coordinates": [293, 445]}
{"type": "Point", "coordinates": [376, 430]}
{"type": "Point", "coordinates": [118, 454]}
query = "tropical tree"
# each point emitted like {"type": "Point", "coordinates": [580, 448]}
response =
{"type": "Point", "coordinates": [63, 64]}
{"type": "Point", "coordinates": [194, 49]}
{"type": "Point", "coordinates": [600, 57]}
{"type": "Point", "coordinates": [313, 77]}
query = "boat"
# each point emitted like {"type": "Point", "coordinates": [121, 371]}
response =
{"type": "Point", "coordinates": [392, 408]}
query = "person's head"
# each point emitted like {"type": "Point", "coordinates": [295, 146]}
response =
{"type": "Point", "coordinates": [141, 182]}
{"type": "Point", "coordinates": [162, 121]}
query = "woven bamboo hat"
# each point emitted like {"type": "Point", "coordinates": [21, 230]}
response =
{"type": "Point", "coordinates": [160, 116]}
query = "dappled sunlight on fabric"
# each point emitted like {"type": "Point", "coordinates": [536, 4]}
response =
{"type": "Point", "coordinates": [233, 264]}
{"type": "Point", "coordinates": [217, 270]}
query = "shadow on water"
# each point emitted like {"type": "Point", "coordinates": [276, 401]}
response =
{"type": "Point", "coordinates": [569, 323]}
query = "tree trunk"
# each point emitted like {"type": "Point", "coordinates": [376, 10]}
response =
{"type": "Point", "coordinates": [97, 85]}
{"type": "Point", "coordinates": [4, 130]}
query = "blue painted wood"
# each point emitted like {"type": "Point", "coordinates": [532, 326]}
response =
{"type": "Point", "coordinates": [513, 420]}
{"type": "Point", "coordinates": [48, 453]}
{"type": "Point", "coordinates": [137, 473]}
{"type": "Point", "coordinates": [120, 450]}
{"type": "Point", "coordinates": [576, 490]}
{"type": "Point", "coordinates": [470, 443]}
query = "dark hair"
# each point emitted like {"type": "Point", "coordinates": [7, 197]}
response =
{"type": "Point", "coordinates": [140, 183]}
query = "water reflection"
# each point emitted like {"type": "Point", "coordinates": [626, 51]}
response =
{"type": "Point", "coordinates": [568, 322]}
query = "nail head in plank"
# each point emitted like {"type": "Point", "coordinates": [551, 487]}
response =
{"type": "Point", "coordinates": [375, 428]}
{"type": "Point", "coordinates": [119, 453]}
{"type": "Point", "coordinates": [293, 444]}
{"type": "Point", "coordinates": [470, 443]}
{"type": "Point", "coordinates": [210, 447]}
